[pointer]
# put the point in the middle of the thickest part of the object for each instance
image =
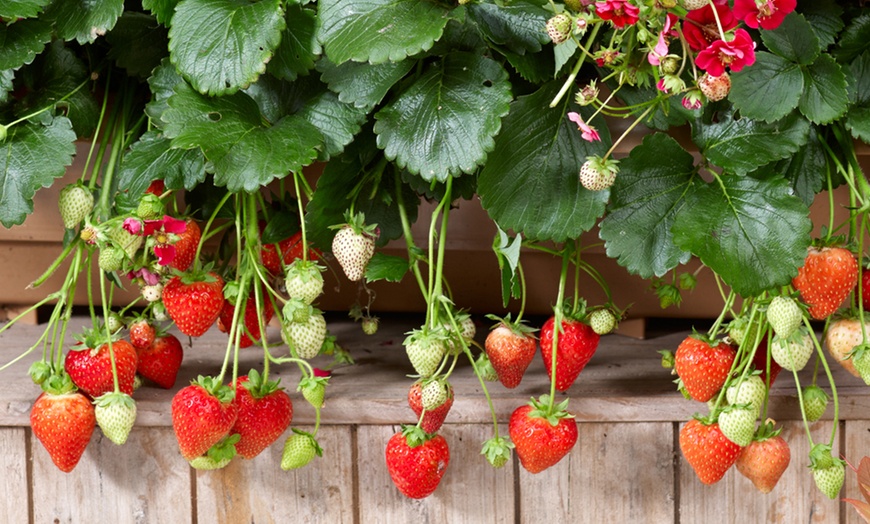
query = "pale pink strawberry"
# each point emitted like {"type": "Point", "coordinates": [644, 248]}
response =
{"type": "Point", "coordinates": [715, 88]}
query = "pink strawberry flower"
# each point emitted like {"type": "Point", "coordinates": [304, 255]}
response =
{"type": "Point", "coordinates": [619, 12]}
{"type": "Point", "coordinates": [132, 226]}
{"type": "Point", "coordinates": [321, 372]}
{"type": "Point", "coordinates": [661, 48]}
{"type": "Point", "coordinates": [160, 231]}
{"type": "Point", "coordinates": [148, 277]}
{"type": "Point", "coordinates": [700, 29]}
{"type": "Point", "coordinates": [734, 54]}
{"type": "Point", "coordinates": [587, 132]}
{"type": "Point", "coordinates": [769, 14]}
{"type": "Point", "coordinates": [692, 100]}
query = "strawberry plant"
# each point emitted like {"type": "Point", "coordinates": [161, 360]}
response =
{"type": "Point", "coordinates": [198, 119]}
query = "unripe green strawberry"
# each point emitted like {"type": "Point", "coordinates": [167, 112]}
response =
{"type": "Point", "coordinates": [150, 207]}
{"type": "Point", "coordinates": [354, 245]}
{"type": "Point", "coordinates": [603, 321]}
{"type": "Point", "coordinates": [425, 350]}
{"type": "Point", "coordinates": [860, 357]}
{"type": "Point", "coordinates": [485, 368]}
{"type": "Point", "coordinates": [114, 322]}
{"type": "Point", "coordinates": [111, 258]}
{"type": "Point", "coordinates": [828, 471]}
{"type": "Point", "coordinates": [303, 280]}
{"type": "Point", "coordinates": [467, 330]}
{"type": "Point", "coordinates": [219, 455]}
{"type": "Point", "coordinates": [784, 316]}
{"type": "Point", "coordinates": [433, 394]}
{"type": "Point", "coordinates": [370, 325]}
{"type": "Point", "coordinates": [207, 463]}
{"type": "Point", "coordinates": [740, 331]}
{"type": "Point", "coordinates": [314, 390]}
{"type": "Point", "coordinates": [116, 414]}
{"type": "Point", "coordinates": [497, 451]}
{"type": "Point", "coordinates": [125, 240]}
{"type": "Point", "coordinates": [304, 328]}
{"type": "Point", "coordinates": [794, 352]}
{"type": "Point", "coordinates": [75, 203]}
{"type": "Point", "coordinates": [815, 402]}
{"type": "Point", "coordinates": [751, 391]}
{"type": "Point", "coordinates": [738, 425]}
{"type": "Point", "coordinates": [559, 27]}
{"type": "Point", "coordinates": [299, 449]}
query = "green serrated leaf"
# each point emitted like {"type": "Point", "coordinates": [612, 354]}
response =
{"type": "Point", "coordinates": [793, 40]}
{"type": "Point", "coordinates": [825, 97]}
{"type": "Point", "coordinates": [162, 83]}
{"type": "Point", "coordinates": [54, 74]}
{"type": "Point", "coordinates": [443, 124]}
{"type": "Point", "coordinates": [151, 158]}
{"type": "Point", "coordinates": [83, 20]}
{"type": "Point", "coordinates": [806, 169]}
{"type": "Point", "coordinates": [531, 183]}
{"type": "Point", "coordinates": [7, 76]}
{"type": "Point", "coordinates": [507, 252]}
{"type": "Point", "coordinates": [769, 90]}
{"type": "Point", "coordinates": [378, 31]}
{"type": "Point", "coordinates": [464, 187]}
{"type": "Point", "coordinates": [387, 267]}
{"type": "Point", "coordinates": [563, 53]}
{"type": "Point", "coordinates": [859, 79]}
{"type": "Point", "coordinates": [363, 85]}
{"type": "Point", "coordinates": [138, 43]}
{"type": "Point", "coordinates": [12, 9]}
{"type": "Point", "coordinates": [858, 123]}
{"type": "Point", "coordinates": [743, 145]}
{"type": "Point", "coordinates": [825, 18]}
{"type": "Point", "coordinates": [221, 46]}
{"type": "Point", "coordinates": [33, 156]}
{"type": "Point", "coordinates": [648, 193]}
{"type": "Point", "coordinates": [161, 9]}
{"type": "Point", "coordinates": [854, 40]}
{"type": "Point", "coordinates": [753, 233]}
{"type": "Point", "coordinates": [243, 153]}
{"type": "Point", "coordinates": [519, 26]}
{"type": "Point", "coordinates": [534, 67]}
{"type": "Point", "coordinates": [22, 41]}
{"type": "Point", "coordinates": [299, 48]}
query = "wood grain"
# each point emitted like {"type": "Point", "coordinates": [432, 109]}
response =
{"type": "Point", "coordinates": [13, 482]}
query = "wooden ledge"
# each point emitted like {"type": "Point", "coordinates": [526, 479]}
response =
{"type": "Point", "coordinates": [624, 382]}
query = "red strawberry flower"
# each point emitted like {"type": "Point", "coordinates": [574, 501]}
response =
{"type": "Point", "coordinates": [619, 12]}
{"type": "Point", "coordinates": [735, 54]}
{"type": "Point", "coordinates": [588, 132]}
{"type": "Point", "coordinates": [160, 231]}
{"type": "Point", "coordinates": [700, 29]}
{"type": "Point", "coordinates": [767, 14]}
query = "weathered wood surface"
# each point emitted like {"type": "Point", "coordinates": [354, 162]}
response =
{"type": "Point", "coordinates": [14, 480]}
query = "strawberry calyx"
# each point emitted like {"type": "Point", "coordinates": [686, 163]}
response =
{"type": "Point", "coordinates": [415, 436]}
{"type": "Point", "coordinates": [225, 449]}
{"type": "Point", "coordinates": [298, 311]}
{"type": "Point", "coordinates": [215, 388]}
{"type": "Point", "coordinates": [821, 457]}
{"type": "Point", "coordinates": [40, 371]}
{"type": "Point", "coordinates": [541, 409]}
{"type": "Point", "coordinates": [497, 451]}
{"type": "Point", "coordinates": [114, 398]}
{"type": "Point", "coordinates": [518, 327]}
{"type": "Point", "coordinates": [260, 387]}
{"type": "Point", "coordinates": [193, 276]}
{"type": "Point", "coordinates": [317, 449]}
{"type": "Point", "coordinates": [357, 222]}
{"type": "Point", "coordinates": [92, 339]}
{"type": "Point", "coordinates": [766, 431]}
{"type": "Point", "coordinates": [58, 383]}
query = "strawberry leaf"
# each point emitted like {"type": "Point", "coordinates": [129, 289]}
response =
{"type": "Point", "coordinates": [443, 124]}
{"type": "Point", "coordinates": [793, 40]}
{"type": "Point", "coordinates": [825, 18]}
{"type": "Point", "coordinates": [84, 21]}
{"type": "Point", "coordinates": [378, 31]}
{"type": "Point", "coordinates": [805, 170]}
{"type": "Point", "coordinates": [753, 233]}
{"type": "Point", "coordinates": [858, 122]}
{"type": "Point", "coordinates": [769, 90]}
{"type": "Point", "coordinates": [363, 85]}
{"type": "Point", "coordinates": [162, 83]}
{"type": "Point", "coordinates": [22, 41]}
{"type": "Point", "coordinates": [7, 76]}
{"type": "Point", "coordinates": [152, 158]}
{"type": "Point", "coordinates": [138, 44]}
{"type": "Point", "coordinates": [299, 48]}
{"type": "Point", "coordinates": [12, 9]}
{"type": "Point", "coordinates": [854, 40]}
{"type": "Point", "coordinates": [536, 160]}
{"type": "Point", "coordinates": [824, 97]}
{"type": "Point", "coordinates": [242, 151]}
{"type": "Point", "coordinates": [161, 9]}
{"type": "Point", "coordinates": [516, 25]}
{"type": "Point", "coordinates": [742, 145]}
{"type": "Point", "coordinates": [221, 46]}
{"type": "Point", "coordinates": [32, 156]}
{"type": "Point", "coordinates": [386, 267]}
{"type": "Point", "coordinates": [507, 252]}
{"type": "Point", "coordinates": [648, 192]}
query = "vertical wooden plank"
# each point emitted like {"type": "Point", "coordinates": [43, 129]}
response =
{"type": "Point", "coordinates": [857, 447]}
{"type": "Point", "coordinates": [258, 490]}
{"type": "Point", "coordinates": [13, 482]}
{"type": "Point", "coordinates": [145, 480]}
{"type": "Point", "coordinates": [471, 490]}
{"type": "Point", "coordinates": [735, 500]}
{"type": "Point", "coordinates": [617, 472]}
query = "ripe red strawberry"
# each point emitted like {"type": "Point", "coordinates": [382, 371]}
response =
{"type": "Point", "coordinates": [825, 280]}
{"type": "Point", "coordinates": [290, 248]}
{"type": "Point", "coordinates": [576, 345]}
{"type": "Point", "coordinates": [156, 187]}
{"type": "Point", "coordinates": [417, 461]}
{"type": "Point", "coordinates": [511, 348]}
{"type": "Point", "coordinates": [702, 367]}
{"type": "Point", "coordinates": [63, 421]}
{"type": "Point", "coordinates": [865, 288]}
{"type": "Point", "coordinates": [91, 369]}
{"type": "Point", "coordinates": [251, 321]}
{"type": "Point", "coordinates": [715, 88]}
{"type": "Point", "coordinates": [433, 418]}
{"type": "Point", "coordinates": [353, 246]}
{"type": "Point", "coordinates": [707, 450]}
{"type": "Point", "coordinates": [202, 414]}
{"type": "Point", "coordinates": [265, 412]}
{"type": "Point", "coordinates": [186, 245]}
{"type": "Point", "coordinates": [764, 460]}
{"type": "Point", "coordinates": [142, 334]}
{"type": "Point", "coordinates": [160, 361]}
{"type": "Point", "coordinates": [194, 302]}
{"type": "Point", "coordinates": [542, 440]}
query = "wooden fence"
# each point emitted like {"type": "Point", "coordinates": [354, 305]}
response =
{"type": "Point", "coordinates": [626, 467]}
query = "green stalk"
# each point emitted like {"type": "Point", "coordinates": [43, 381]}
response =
{"type": "Point", "coordinates": [557, 325]}
{"type": "Point", "coordinates": [54, 265]}
{"type": "Point", "coordinates": [108, 334]}
{"type": "Point", "coordinates": [409, 239]}
{"type": "Point", "coordinates": [301, 219]}
{"type": "Point", "coordinates": [522, 276]}
{"type": "Point", "coordinates": [569, 82]}
{"type": "Point", "coordinates": [442, 242]}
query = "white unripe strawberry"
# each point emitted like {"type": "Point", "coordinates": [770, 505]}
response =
{"type": "Point", "coordinates": [597, 174]}
{"type": "Point", "coordinates": [354, 245]}
{"type": "Point", "coordinates": [715, 88]}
